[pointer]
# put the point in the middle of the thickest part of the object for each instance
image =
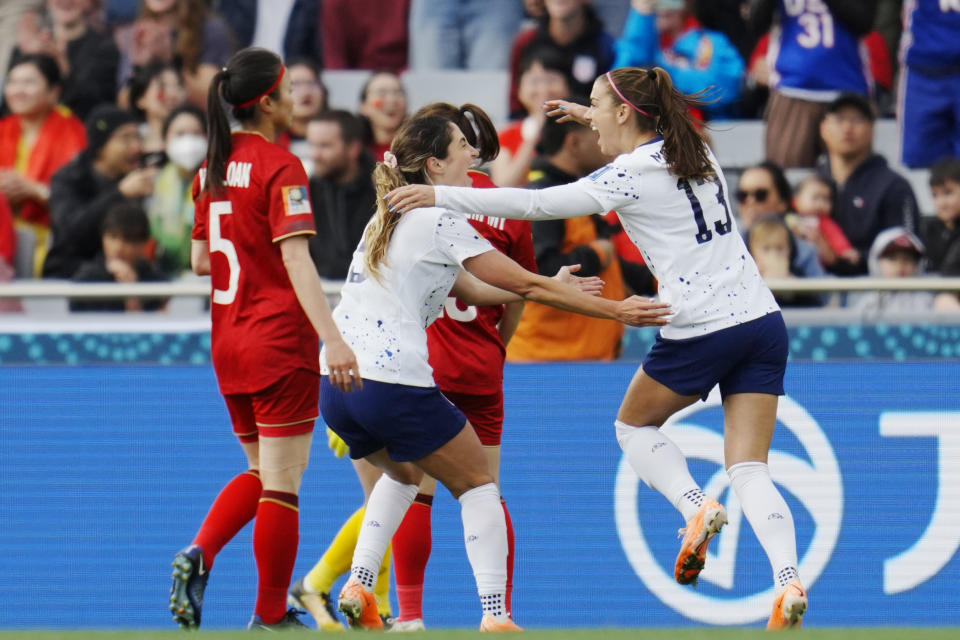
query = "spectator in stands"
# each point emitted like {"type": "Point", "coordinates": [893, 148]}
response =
{"type": "Point", "coordinates": [870, 196]}
{"type": "Point", "coordinates": [543, 76]}
{"type": "Point", "coordinates": [764, 191]}
{"type": "Point", "coordinates": [341, 190]}
{"type": "Point", "coordinates": [572, 29]}
{"type": "Point", "coordinates": [107, 172]}
{"type": "Point", "coordinates": [170, 206]}
{"type": "Point", "coordinates": [941, 233]}
{"type": "Point", "coordinates": [365, 35]}
{"type": "Point", "coordinates": [813, 202]}
{"type": "Point", "coordinates": [817, 56]}
{"type": "Point", "coordinates": [87, 58]}
{"type": "Point", "coordinates": [184, 32]}
{"type": "Point", "coordinates": [463, 34]}
{"type": "Point", "coordinates": [36, 140]}
{"type": "Point", "coordinates": [288, 28]}
{"type": "Point", "coordinates": [896, 253]}
{"type": "Point", "coordinates": [124, 235]}
{"type": "Point", "coordinates": [569, 151]}
{"type": "Point", "coordinates": [155, 90]}
{"type": "Point", "coordinates": [774, 249]}
{"type": "Point", "coordinates": [929, 95]}
{"type": "Point", "coordinates": [696, 58]}
{"type": "Point", "coordinates": [727, 17]}
{"type": "Point", "coordinates": [383, 107]}
{"type": "Point", "coordinates": [11, 13]}
{"type": "Point", "coordinates": [8, 240]}
{"type": "Point", "coordinates": [309, 99]}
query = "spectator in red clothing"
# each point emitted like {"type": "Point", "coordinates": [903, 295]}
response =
{"type": "Point", "coordinates": [813, 202]}
{"type": "Point", "coordinates": [372, 34]}
{"type": "Point", "coordinates": [543, 76]}
{"type": "Point", "coordinates": [383, 106]}
{"type": "Point", "coordinates": [570, 27]}
{"type": "Point", "coordinates": [309, 100]}
{"type": "Point", "coordinates": [8, 239]}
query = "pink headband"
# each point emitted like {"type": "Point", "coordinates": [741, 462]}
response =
{"type": "Point", "coordinates": [635, 107]}
{"type": "Point", "coordinates": [275, 84]}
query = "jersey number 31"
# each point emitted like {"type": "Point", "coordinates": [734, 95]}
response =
{"type": "Point", "coordinates": [703, 232]}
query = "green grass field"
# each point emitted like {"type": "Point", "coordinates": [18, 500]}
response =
{"type": "Point", "coordinates": [538, 634]}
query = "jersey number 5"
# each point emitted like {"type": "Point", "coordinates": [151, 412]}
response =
{"type": "Point", "coordinates": [220, 244]}
{"type": "Point", "coordinates": [703, 232]}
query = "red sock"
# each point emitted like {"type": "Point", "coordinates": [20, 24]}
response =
{"type": "Point", "coordinates": [411, 550]}
{"type": "Point", "coordinates": [509, 594]}
{"type": "Point", "coordinates": [275, 538]}
{"type": "Point", "coordinates": [235, 506]}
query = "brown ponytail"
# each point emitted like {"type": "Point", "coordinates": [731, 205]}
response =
{"type": "Point", "coordinates": [249, 73]}
{"type": "Point", "coordinates": [476, 125]}
{"type": "Point", "coordinates": [666, 111]}
{"type": "Point", "coordinates": [417, 140]}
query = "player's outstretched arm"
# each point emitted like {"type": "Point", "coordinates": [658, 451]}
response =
{"type": "Point", "coordinates": [344, 370]}
{"type": "Point", "coordinates": [498, 270]}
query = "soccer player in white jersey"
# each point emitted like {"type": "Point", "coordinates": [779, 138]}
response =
{"type": "Point", "coordinates": [670, 194]}
{"type": "Point", "coordinates": [401, 274]}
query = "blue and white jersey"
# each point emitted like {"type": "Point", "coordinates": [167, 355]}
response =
{"type": "Point", "coordinates": [931, 35]}
{"type": "Point", "coordinates": [682, 227]}
{"type": "Point", "coordinates": [385, 321]}
{"type": "Point", "coordinates": [813, 57]}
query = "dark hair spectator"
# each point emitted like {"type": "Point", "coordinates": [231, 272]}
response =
{"type": "Point", "coordinates": [383, 108]}
{"type": "Point", "coordinates": [871, 196]}
{"type": "Point", "coordinates": [295, 36]}
{"type": "Point", "coordinates": [87, 57]}
{"type": "Point", "coordinates": [51, 136]}
{"type": "Point", "coordinates": [573, 29]}
{"type": "Point", "coordinates": [941, 233]}
{"type": "Point", "coordinates": [365, 35]}
{"type": "Point", "coordinates": [106, 173]}
{"type": "Point", "coordinates": [154, 90]}
{"type": "Point", "coordinates": [124, 233]}
{"type": "Point", "coordinates": [309, 96]}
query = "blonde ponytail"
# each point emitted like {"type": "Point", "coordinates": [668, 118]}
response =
{"type": "Point", "coordinates": [376, 238]}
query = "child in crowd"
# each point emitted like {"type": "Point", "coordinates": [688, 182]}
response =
{"type": "Point", "coordinates": [941, 233]}
{"type": "Point", "coordinates": [813, 202]}
{"type": "Point", "coordinates": [125, 233]}
{"type": "Point", "coordinates": [896, 253]}
{"type": "Point", "coordinates": [773, 249]}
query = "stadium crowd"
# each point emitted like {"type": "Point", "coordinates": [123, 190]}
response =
{"type": "Point", "coordinates": [102, 126]}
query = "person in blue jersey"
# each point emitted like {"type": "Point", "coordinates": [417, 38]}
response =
{"type": "Point", "coordinates": [697, 58]}
{"type": "Point", "coordinates": [815, 54]}
{"type": "Point", "coordinates": [670, 194]}
{"type": "Point", "coordinates": [929, 92]}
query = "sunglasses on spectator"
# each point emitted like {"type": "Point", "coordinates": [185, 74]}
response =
{"type": "Point", "coordinates": [760, 195]}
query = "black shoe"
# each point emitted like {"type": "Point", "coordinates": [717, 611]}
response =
{"type": "Point", "coordinates": [289, 622]}
{"type": "Point", "coordinates": [189, 582]}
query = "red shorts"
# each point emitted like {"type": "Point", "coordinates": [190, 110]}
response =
{"type": "Point", "coordinates": [286, 408]}
{"type": "Point", "coordinates": [485, 413]}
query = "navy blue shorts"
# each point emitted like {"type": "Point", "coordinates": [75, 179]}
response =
{"type": "Point", "coordinates": [410, 422]}
{"type": "Point", "coordinates": [746, 358]}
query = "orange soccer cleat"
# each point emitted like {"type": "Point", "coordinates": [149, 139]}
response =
{"type": "Point", "coordinates": [494, 625]}
{"type": "Point", "coordinates": [788, 608]}
{"type": "Point", "coordinates": [359, 606]}
{"type": "Point", "coordinates": [696, 536]}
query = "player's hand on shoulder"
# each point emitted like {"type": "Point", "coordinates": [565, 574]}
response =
{"type": "Point", "coordinates": [643, 312]}
{"type": "Point", "coordinates": [336, 444]}
{"type": "Point", "coordinates": [410, 197]}
{"type": "Point", "coordinates": [591, 285]}
{"type": "Point", "coordinates": [342, 363]}
{"type": "Point", "coordinates": [566, 111]}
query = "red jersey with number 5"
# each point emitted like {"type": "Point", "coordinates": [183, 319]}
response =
{"type": "Point", "coordinates": [465, 348]}
{"type": "Point", "coordinates": [260, 333]}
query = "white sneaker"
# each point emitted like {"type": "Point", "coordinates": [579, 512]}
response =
{"type": "Point", "coordinates": [405, 626]}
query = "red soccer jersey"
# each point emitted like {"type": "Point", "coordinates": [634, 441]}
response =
{"type": "Point", "coordinates": [260, 333]}
{"type": "Point", "coordinates": [466, 351]}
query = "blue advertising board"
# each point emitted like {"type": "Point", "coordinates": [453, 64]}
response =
{"type": "Point", "coordinates": [105, 471]}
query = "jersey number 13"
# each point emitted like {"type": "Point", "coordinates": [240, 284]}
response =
{"type": "Point", "coordinates": [703, 232]}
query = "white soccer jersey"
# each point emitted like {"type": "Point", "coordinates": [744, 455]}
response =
{"type": "Point", "coordinates": [385, 321]}
{"type": "Point", "coordinates": [683, 228]}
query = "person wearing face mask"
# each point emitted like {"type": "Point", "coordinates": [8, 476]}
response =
{"type": "Point", "coordinates": [170, 208]}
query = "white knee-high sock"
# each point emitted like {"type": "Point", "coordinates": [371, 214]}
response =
{"type": "Point", "coordinates": [388, 503]}
{"type": "Point", "coordinates": [485, 536]}
{"type": "Point", "coordinates": [769, 516]}
{"type": "Point", "coordinates": [661, 465]}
